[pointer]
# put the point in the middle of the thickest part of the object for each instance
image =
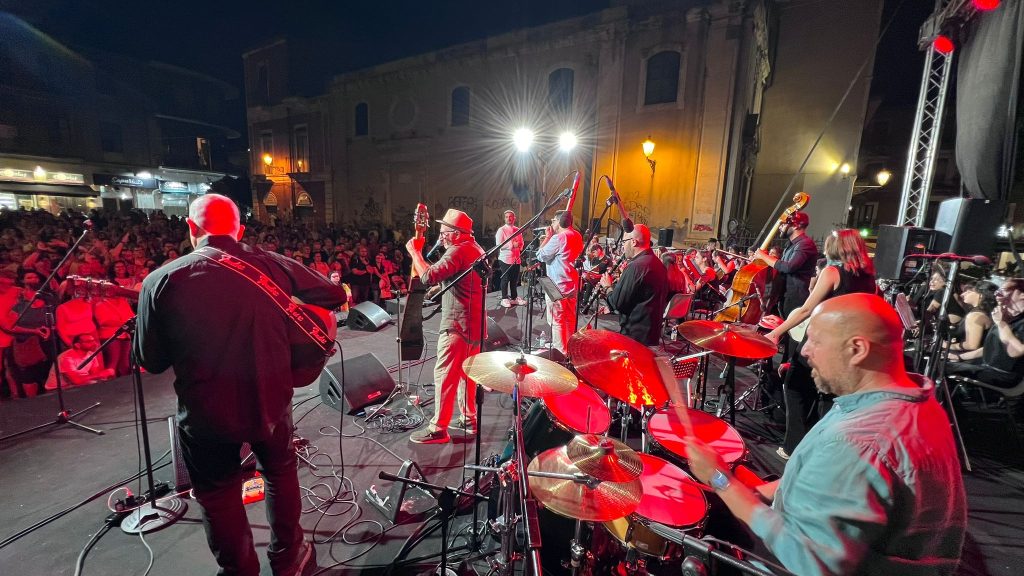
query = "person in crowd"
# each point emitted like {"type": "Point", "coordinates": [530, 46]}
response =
{"type": "Point", "coordinates": [509, 261]}
{"type": "Point", "coordinates": [318, 263]}
{"type": "Point", "coordinates": [933, 298]}
{"type": "Point", "coordinates": [460, 328]}
{"type": "Point", "coordinates": [559, 249]}
{"type": "Point", "coordinates": [875, 487]}
{"type": "Point", "coordinates": [69, 360]}
{"type": "Point", "coordinates": [980, 299]}
{"type": "Point", "coordinates": [75, 315]}
{"type": "Point", "coordinates": [641, 291]}
{"type": "Point", "coordinates": [674, 275]}
{"type": "Point", "coordinates": [1000, 360]}
{"type": "Point", "coordinates": [362, 275]}
{"type": "Point", "coordinates": [190, 314]}
{"type": "Point", "coordinates": [30, 358]}
{"type": "Point", "coordinates": [848, 270]}
{"type": "Point", "coordinates": [120, 275]}
{"type": "Point", "coordinates": [8, 297]}
{"type": "Point", "coordinates": [111, 312]}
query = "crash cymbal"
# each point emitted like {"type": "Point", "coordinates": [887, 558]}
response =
{"type": "Point", "coordinates": [537, 377]}
{"type": "Point", "coordinates": [728, 339]}
{"type": "Point", "coordinates": [604, 458]}
{"type": "Point", "coordinates": [620, 366]}
{"type": "Point", "coordinates": [606, 501]}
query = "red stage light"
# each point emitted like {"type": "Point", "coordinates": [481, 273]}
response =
{"type": "Point", "coordinates": [943, 45]}
{"type": "Point", "coordinates": [985, 4]}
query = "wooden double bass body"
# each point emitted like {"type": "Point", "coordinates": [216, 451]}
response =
{"type": "Point", "coordinates": [754, 278]}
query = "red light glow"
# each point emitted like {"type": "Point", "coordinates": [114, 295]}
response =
{"type": "Point", "coordinates": [943, 45]}
{"type": "Point", "coordinates": [985, 4]}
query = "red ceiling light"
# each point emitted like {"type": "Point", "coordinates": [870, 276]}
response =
{"type": "Point", "coordinates": [942, 44]}
{"type": "Point", "coordinates": [985, 4]}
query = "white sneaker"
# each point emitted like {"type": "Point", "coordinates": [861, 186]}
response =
{"type": "Point", "coordinates": [519, 302]}
{"type": "Point", "coordinates": [505, 303]}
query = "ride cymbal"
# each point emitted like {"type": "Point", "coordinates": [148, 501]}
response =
{"type": "Point", "coordinates": [620, 366]}
{"type": "Point", "coordinates": [604, 458]}
{"type": "Point", "coordinates": [537, 376]}
{"type": "Point", "coordinates": [606, 501]}
{"type": "Point", "coordinates": [728, 339]}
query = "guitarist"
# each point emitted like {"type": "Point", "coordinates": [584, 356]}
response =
{"type": "Point", "coordinates": [228, 343]}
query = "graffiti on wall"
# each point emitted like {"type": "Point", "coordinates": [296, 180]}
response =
{"type": "Point", "coordinates": [371, 213]}
{"type": "Point", "coordinates": [640, 213]}
{"type": "Point", "coordinates": [467, 204]}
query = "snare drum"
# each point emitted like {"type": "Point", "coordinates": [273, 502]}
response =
{"type": "Point", "coordinates": [663, 426]}
{"type": "Point", "coordinates": [553, 421]}
{"type": "Point", "coordinates": [671, 497]}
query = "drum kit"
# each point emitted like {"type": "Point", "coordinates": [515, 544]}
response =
{"type": "Point", "coordinates": [625, 498]}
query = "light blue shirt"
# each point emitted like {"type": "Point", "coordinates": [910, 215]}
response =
{"type": "Point", "coordinates": [874, 488]}
{"type": "Point", "coordinates": [559, 253]}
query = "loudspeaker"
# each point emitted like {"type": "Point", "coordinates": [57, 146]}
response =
{"type": "Point", "coordinates": [665, 237]}
{"type": "Point", "coordinates": [496, 337]}
{"type": "Point", "coordinates": [366, 380]}
{"type": "Point", "coordinates": [182, 481]}
{"type": "Point", "coordinates": [967, 226]}
{"type": "Point", "coordinates": [368, 317]}
{"type": "Point", "coordinates": [895, 242]}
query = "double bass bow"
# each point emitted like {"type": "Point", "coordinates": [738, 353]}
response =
{"type": "Point", "coordinates": [753, 278]}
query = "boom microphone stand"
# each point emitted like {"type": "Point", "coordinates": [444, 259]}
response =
{"type": "Point", "coordinates": [63, 417]}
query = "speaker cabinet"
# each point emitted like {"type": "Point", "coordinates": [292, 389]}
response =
{"type": "Point", "coordinates": [665, 237]}
{"type": "Point", "coordinates": [967, 226]}
{"type": "Point", "coordinates": [366, 382]}
{"type": "Point", "coordinates": [496, 336]}
{"type": "Point", "coordinates": [895, 242]}
{"type": "Point", "coordinates": [368, 317]}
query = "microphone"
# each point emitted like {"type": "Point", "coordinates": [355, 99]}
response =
{"type": "Point", "coordinates": [570, 193]}
{"type": "Point", "coordinates": [437, 246]}
{"type": "Point", "coordinates": [627, 222]}
{"type": "Point", "coordinates": [977, 259]}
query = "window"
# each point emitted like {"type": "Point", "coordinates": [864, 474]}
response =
{"type": "Point", "coordinates": [301, 149]}
{"type": "Point", "coordinates": [362, 119]}
{"type": "Point", "coordinates": [662, 82]}
{"type": "Point", "coordinates": [266, 147]}
{"type": "Point", "coordinates": [262, 84]}
{"type": "Point", "coordinates": [560, 91]}
{"type": "Point", "coordinates": [460, 106]}
{"type": "Point", "coordinates": [203, 152]}
{"type": "Point", "coordinates": [110, 137]}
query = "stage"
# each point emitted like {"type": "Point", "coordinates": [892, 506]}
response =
{"type": "Point", "coordinates": [51, 470]}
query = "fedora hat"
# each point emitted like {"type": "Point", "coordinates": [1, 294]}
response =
{"type": "Point", "coordinates": [458, 220]}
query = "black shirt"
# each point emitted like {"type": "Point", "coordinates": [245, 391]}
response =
{"type": "Point", "coordinates": [994, 351]}
{"type": "Point", "coordinates": [639, 298]}
{"type": "Point", "coordinates": [797, 264]}
{"type": "Point", "coordinates": [226, 340]}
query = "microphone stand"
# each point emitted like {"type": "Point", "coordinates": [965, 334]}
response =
{"type": "Point", "coordinates": [63, 416]}
{"type": "Point", "coordinates": [482, 268]}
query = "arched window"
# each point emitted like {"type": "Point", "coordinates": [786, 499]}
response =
{"type": "Point", "coordinates": [560, 90]}
{"type": "Point", "coordinates": [662, 78]}
{"type": "Point", "coordinates": [362, 119]}
{"type": "Point", "coordinates": [460, 106]}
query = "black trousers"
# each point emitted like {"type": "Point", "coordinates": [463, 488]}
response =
{"type": "Point", "coordinates": [216, 472]}
{"type": "Point", "coordinates": [801, 396]}
{"type": "Point", "coordinates": [509, 279]}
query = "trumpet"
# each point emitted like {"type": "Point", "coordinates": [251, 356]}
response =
{"type": "Point", "coordinates": [733, 255]}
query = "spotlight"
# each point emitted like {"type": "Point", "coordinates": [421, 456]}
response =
{"type": "Point", "coordinates": [883, 177]}
{"type": "Point", "coordinates": [985, 5]}
{"type": "Point", "coordinates": [567, 141]}
{"type": "Point", "coordinates": [523, 139]}
{"type": "Point", "coordinates": [943, 45]}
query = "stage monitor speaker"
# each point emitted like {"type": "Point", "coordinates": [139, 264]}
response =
{"type": "Point", "coordinates": [895, 242]}
{"type": "Point", "coordinates": [368, 317]}
{"type": "Point", "coordinates": [967, 226]}
{"type": "Point", "coordinates": [665, 237]}
{"type": "Point", "coordinates": [182, 481]}
{"type": "Point", "coordinates": [496, 336]}
{"type": "Point", "coordinates": [367, 382]}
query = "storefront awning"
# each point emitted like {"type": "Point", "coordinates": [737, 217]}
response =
{"type": "Point", "coordinates": [51, 189]}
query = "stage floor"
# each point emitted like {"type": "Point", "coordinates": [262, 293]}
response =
{"type": "Point", "coordinates": [48, 471]}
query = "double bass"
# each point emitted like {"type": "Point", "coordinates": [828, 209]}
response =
{"type": "Point", "coordinates": [411, 334]}
{"type": "Point", "coordinates": [753, 278]}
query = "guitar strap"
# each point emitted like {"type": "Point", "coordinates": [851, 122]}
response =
{"type": "Point", "coordinates": [266, 284]}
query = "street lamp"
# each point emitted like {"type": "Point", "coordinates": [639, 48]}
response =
{"type": "Point", "coordinates": [883, 177]}
{"type": "Point", "coordinates": [268, 159]}
{"type": "Point", "coordinates": [648, 147]}
{"type": "Point", "coordinates": [523, 139]}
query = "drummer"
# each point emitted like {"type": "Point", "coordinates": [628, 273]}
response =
{"type": "Point", "coordinates": [875, 487]}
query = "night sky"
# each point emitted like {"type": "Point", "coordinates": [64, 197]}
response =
{"type": "Point", "coordinates": [211, 35]}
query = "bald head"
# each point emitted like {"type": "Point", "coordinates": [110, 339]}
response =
{"type": "Point", "coordinates": [642, 236]}
{"type": "Point", "coordinates": [214, 215]}
{"type": "Point", "coordinates": [863, 315]}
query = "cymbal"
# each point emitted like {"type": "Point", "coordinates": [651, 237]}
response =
{"type": "Point", "coordinates": [537, 376]}
{"type": "Point", "coordinates": [604, 458]}
{"type": "Point", "coordinates": [620, 366]}
{"type": "Point", "coordinates": [607, 501]}
{"type": "Point", "coordinates": [728, 339]}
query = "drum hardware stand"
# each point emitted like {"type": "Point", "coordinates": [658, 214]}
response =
{"type": "Point", "coordinates": [727, 392]}
{"type": "Point", "coordinates": [482, 269]}
{"type": "Point", "coordinates": [702, 553]}
{"type": "Point", "coordinates": [63, 416]}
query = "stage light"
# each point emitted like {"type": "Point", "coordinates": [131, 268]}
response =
{"type": "Point", "coordinates": [864, 232]}
{"type": "Point", "coordinates": [943, 44]}
{"type": "Point", "coordinates": [883, 177]}
{"type": "Point", "coordinates": [567, 141]}
{"type": "Point", "coordinates": [523, 139]}
{"type": "Point", "coordinates": [985, 5]}
{"type": "Point", "coordinates": [844, 169]}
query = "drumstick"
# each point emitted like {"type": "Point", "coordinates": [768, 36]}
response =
{"type": "Point", "coordinates": [668, 380]}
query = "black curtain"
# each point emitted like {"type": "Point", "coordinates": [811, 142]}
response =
{"type": "Point", "coordinates": [986, 100]}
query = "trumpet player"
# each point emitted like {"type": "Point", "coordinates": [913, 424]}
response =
{"type": "Point", "coordinates": [639, 294]}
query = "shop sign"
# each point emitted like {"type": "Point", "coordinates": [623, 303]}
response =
{"type": "Point", "coordinates": [19, 175]}
{"type": "Point", "coordinates": [132, 181]}
{"type": "Point", "coordinates": [304, 200]}
{"type": "Point", "coordinates": [174, 187]}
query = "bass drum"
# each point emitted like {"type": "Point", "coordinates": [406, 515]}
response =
{"type": "Point", "coordinates": [553, 421]}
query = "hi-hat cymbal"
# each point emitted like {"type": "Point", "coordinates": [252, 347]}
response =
{"type": "Point", "coordinates": [620, 366]}
{"type": "Point", "coordinates": [728, 339]}
{"type": "Point", "coordinates": [537, 377]}
{"type": "Point", "coordinates": [604, 458]}
{"type": "Point", "coordinates": [606, 501]}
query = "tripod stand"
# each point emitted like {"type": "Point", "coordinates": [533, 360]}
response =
{"type": "Point", "coordinates": [63, 415]}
